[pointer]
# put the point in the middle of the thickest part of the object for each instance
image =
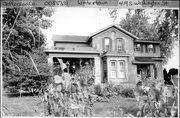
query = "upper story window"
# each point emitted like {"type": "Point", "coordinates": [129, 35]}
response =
{"type": "Point", "coordinates": [150, 48]}
{"type": "Point", "coordinates": [107, 44]}
{"type": "Point", "coordinates": [120, 45]}
{"type": "Point", "coordinates": [138, 48]}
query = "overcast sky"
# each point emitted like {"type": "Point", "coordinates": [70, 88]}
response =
{"type": "Point", "coordinates": [85, 21]}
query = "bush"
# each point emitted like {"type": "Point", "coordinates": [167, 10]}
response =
{"type": "Point", "coordinates": [110, 90]}
{"type": "Point", "coordinates": [127, 92]}
{"type": "Point", "coordinates": [98, 90]}
{"type": "Point", "coordinates": [118, 89]}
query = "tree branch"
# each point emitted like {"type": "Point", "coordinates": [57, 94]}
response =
{"type": "Point", "coordinates": [12, 26]}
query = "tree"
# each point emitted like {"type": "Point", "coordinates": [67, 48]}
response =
{"type": "Point", "coordinates": [137, 23]}
{"type": "Point", "coordinates": [27, 78]}
{"type": "Point", "coordinates": [21, 41]}
{"type": "Point", "coordinates": [166, 24]}
{"type": "Point", "coordinates": [163, 29]}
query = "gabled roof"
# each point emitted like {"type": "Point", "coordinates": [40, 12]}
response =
{"type": "Point", "coordinates": [117, 27]}
{"type": "Point", "coordinates": [69, 38]}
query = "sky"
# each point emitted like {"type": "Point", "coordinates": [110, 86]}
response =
{"type": "Point", "coordinates": [85, 21]}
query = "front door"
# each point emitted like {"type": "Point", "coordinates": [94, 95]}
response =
{"type": "Point", "coordinates": [143, 71]}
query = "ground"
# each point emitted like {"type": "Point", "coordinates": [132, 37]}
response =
{"type": "Point", "coordinates": [25, 106]}
{"type": "Point", "coordinates": [105, 109]}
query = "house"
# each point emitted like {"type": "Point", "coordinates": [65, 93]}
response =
{"type": "Point", "coordinates": [116, 55]}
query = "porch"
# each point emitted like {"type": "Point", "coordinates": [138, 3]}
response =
{"type": "Point", "coordinates": [148, 68]}
{"type": "Point", "coordinates": [75, 61]}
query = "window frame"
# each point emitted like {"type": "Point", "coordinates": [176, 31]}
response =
{"type": "Point", "coordinates": [136, 47]}
{"type": "Point", "coordinates": [150, 50]}
{"type": "Point", "coordinates": [122, 70]}
{"type": "Point", "coordinates": [104, 45]}
{"type": "Point", "coordinates": [122, 49]}
{"type": "Point", "coordinates": [117, 69]}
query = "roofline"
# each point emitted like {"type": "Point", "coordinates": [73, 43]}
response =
{"type": "Point", "coordinates": [70, 41]}
{"type": "Point", "coordinates": [137, 62]}
{"type": "Point", "coordinates": [70, 51]}
{"type": "Point", "coordinates": [74, 41]}
{"type": "Point", "coordinates": [147, 41]}
{"type": "Point", "coordinates": [116, 26]}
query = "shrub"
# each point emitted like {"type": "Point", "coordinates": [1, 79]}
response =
{"type": "Point", "coordinates": [110, 90]}
{"type": "Point", "coordinates": [127, 92]}
{"type": "Point", "coordinates": [160, 102]}
{"type": "Point", "coordinates": [98, 90]}
{"type": "Point", "coordinates": [118, 89]}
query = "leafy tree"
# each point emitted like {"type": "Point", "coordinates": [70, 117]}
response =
{"type": "Point", "coordinates": [137, 24]}
{"type": "Point", "coordinates": [29, 77]}
{"type": "Point", "coordinates": [21, 42]}
{"type": "Point", "coordinates": [164, 28]}
{"type": "Point", "coordinates": [166, 24]}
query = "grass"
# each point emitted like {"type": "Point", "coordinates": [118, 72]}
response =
{"type": "Point", "coordinates": [24, 106]}
{"type": "Point", "coordinates": [104, 109]}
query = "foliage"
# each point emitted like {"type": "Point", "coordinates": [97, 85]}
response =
{"type": "Point", "coordinates": [166, 24]}
{"type": "Point", "coordinates": [163, 29]}
{"type": "Point", "coordinates": [137, 24]}
{"type": "Point", "coordinates": [171, 74]}
{"type": "Point", "coordinates": [71, 100]}
{"type": "Point", "coordinates": [27, 78]}
{"type": "Point", "coordinates": [109, 90]}
{"type": "Point", "coordinates": [85, 75]}
{"type": "Point", "coordinates": [127, 92]}
{"type": "Point", "coordinates": [156, 100]}
{"type": "Point", "coordinates": [21, 39]}
{"type": "Point", "coordinates": [98, 90]}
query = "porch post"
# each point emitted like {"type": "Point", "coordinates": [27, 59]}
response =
{"type": "Point", "coordinates": [50, 63]}
{"type": "Point", "coordinates": [97, 70]}
{"type": "Point", "coordinates": [152, 71]}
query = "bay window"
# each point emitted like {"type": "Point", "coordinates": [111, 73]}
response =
{"type": "Point", "coordinates": [121, 73]}
{"type": "Point", "coordinates": [117, 69]}
{"type": "Point", "coordinates": [113, 69]}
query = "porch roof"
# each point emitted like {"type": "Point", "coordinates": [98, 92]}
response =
{"type": "Point", "coordinates": [71, 51]}
{"type": "Point", "coordinates": [146, 41]}
{"type": "Point", "coordinates": [115, 55]}
{"type": "Point", "coordinates": [146, 60]}
{"type": "Point", "coordinates": [77, 50]}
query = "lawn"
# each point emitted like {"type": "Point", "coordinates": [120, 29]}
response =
{"type": "Point", "coordinates": [25, 106]}
{"type": "Point", "coordinates": [105, 109]}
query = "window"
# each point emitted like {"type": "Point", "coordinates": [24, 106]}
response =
{"type": "Point", "coordinates": [120, 45]}
{"type": "Point", "coordinates": [113, 33]}
{"type": "Point", "coordinates": [118, 69]}
{"type": "Point", "coordinates": [113, 69]}
{"type": "Point", "coordinates": [138, 47]}
{"type": "Point", "coordinates": [150, 48]}
{"type": "Point", "coordinates": [107, 43]}
{"type": "Point", "coordinates": [121, 73]}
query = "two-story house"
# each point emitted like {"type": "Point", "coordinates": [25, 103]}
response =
{"type": "Point", "coordinates": [116, 55]}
